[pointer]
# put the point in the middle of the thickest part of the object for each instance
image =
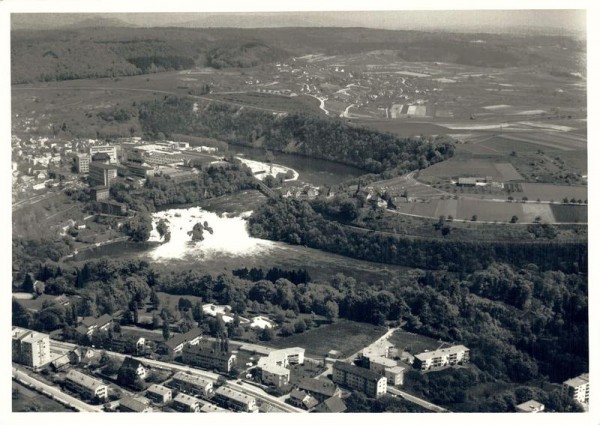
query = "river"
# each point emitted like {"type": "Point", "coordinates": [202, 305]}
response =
{"type": "Point", "coordinates": [318, 172]}
{"type": "Point", "coordinates": [231, 247]}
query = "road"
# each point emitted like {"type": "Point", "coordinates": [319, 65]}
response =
{"type": "Point", "coordinates": [423, 403]}
{"type": "Point", "coordinates": [244, 388]}
{"type": "Point", "coordinates": [21, 376]}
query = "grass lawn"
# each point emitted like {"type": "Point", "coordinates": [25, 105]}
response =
{"type": "Point", "coordinates": [413, 343]}
{"type": "Point", "coordinates": [343, 335]}
{"type": "Point", "coordinates": [306, 370]}
{"type": "Point", "coordinates": [31, 401]}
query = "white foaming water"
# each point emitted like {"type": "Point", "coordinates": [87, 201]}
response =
{"type": "Point", "coordinates": [230, 236]}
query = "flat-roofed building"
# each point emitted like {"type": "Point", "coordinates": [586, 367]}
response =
{"type": "Point", "coordinates": [85, 385]}
{"type": "Point", "coordinates": [235, 400]}
{"type": "Point", "coordinates": [101, 174]}
{"type": "Point", "coordinates": [451, 356]}
{"type": "Point", "coordinates": [30, 348]}
{"type": "Point", "coordinates": [366, 381]}
{"type": "Point", "coordinates": [207, 356]}
{"type": "Point", "coordinates": [273, 368]}
{"type": "Point", "coordinates": [530, 406]}
{"type": "Point", "coordinates": [578, 388]}
{"type": "Point", "coordinates": [192, 384]}
{"type": "Point", "coordinates": [82, 163]}
{"type": "Point", "coordinates": [159, 393]}
{"type": "Point", "coordinates": [186, 403]}
{"type": "Point", "coordinates": [100, 193]}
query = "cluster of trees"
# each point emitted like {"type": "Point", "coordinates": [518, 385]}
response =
{"type": "Point", "coordinates": [454, 388]}
{"type": "Point", "coordinates": [244, 56]}
{"type": "Point", "coordinates": [313, 136]}
{"type": "Point", "coordinates": [139, 227]}
{"type": "Point", "coordinates": [521, 324]}
{"type": "Point", "coordinates": [296, 222]}
{"type": "Point", "coordinates": [120, 115]}
{"type": "Point", "coordinates": [273, 274]}
{"type": "Point", "coordinates": [160, 191]}
{"type": "Point", "coordinates": [152, 64]}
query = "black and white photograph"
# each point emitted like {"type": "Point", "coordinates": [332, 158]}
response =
{"type": "Point", "coordinates": [311, 211]}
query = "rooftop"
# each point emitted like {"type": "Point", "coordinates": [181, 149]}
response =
{"type": "Point", "coordinates": [181, 338]}
{"type": "Point", "coordinates": [84, 380]}
{"type": "Point", "coordinates": [186, 399]}
{"type": "Point", "coordinates": [319, 386]}
{"type": "Point", "coordinates": [192, 379]}
{"type": "Point", "coordinates": [359, 371]}
{"type": "Point", "coordinates": [578, 381]}
{"type": "Point", "coordinates": [234, 395]}
{"type": "Point", "coordinates": [102, 166]}
{"type": "Point", "coordinates": [332, 405]}
{"type": "Point", "coordinates": [455, 349]}
{"type": "Point", "coordinates": [209, 351]}
{"type": "Point", "coordinates": [159, 389]}
{"type": "Point", "coordinates": [137, 404]}
{"type": "Point", "coordinates": [530, 406]}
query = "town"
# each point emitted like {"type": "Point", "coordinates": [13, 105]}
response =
{"type": "Point", "coordinates": [298, 219]}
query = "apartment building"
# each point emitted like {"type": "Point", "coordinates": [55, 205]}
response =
{"type": "Point", "coordinates": [101, 174]}
{"type": "Point", "coordinates": [30, 348]}
{"type": "Point", "coordinates": [370, 383]}
{"type": "Point", "coordinates": [208, 357]}
{"type": "Point", "coordinates": [192, 384]}
{"type": "Point", "coordinates": [85, 385]}
{"type": "Point", "coordinates": [82, 163]}
{"type": "Point", "coordinates": [186, 403]}
{"type": "Point", "coordinates": [159, 394]}
{"type": "Point", "coordinates": [273, 368]}
{"type": "Point", "coordinates": [578, 388]}
{"type": "Point", "coordinates": [455, 355]}
{"type": "Point", "coordinates": [235, 400]}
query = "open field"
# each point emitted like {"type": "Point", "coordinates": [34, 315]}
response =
{"type": "Point", "coordinates": [549, 192]}
{"type": "Point", "coordinates": [343, 335]}
{"type": "Point", "coordinates": [300, 104]}
{"type": "Point", "coordinates": [570, 213]}
{"type": "Point", "coordinates": [413, 343]}
{"type": "Point", "coordinates": [458, 167]}
{"type": "Point", "coordinates": [32, 401]}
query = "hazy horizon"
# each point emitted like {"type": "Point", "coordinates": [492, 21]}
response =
{"type": "Point", "coordinates": [569, 21]}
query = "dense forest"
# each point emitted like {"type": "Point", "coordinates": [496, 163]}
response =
{"type": "Point", "coordinates": [296, 222]}
{"type": "Point", "coordinates": [523, 325]}
{"type": "Point", "coordinates": [312, 136]}
{"type": "Point", "coordinates": [95, 52]}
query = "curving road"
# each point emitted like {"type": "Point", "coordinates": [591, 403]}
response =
{"type": "Point", "coordinates": [423, 403]}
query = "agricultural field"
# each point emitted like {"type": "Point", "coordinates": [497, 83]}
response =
{"type": "Point", "coordinates": [551, 192]}
{"type": "Point", "coordinates": [570, 213]}
{"type": "Point", "coordinates": [458, 167]}
{"type": "Point", "coordinates": [343, 335]}
{"type": "Point", "coordinates": [299, 104]}
{"type": "Point", "coordinates": [413, 343]}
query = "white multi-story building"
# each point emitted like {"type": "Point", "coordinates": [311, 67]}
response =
{"type": "Point", "coordinates": [273, 367]}
{"type": "Point", "coordinates": [457, 354]}
{"type": "Point", "coordinates": [30, 348]}
{"type": "Point", "coordinates": [578, 388]}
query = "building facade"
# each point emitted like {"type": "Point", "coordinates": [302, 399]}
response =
{"type": "Point", "coordinates": [101, 174]}
{"type": "Point", "coordinates": [208, 357]}
{"type": "Point", "coordinates": [82, 163]}
{"type": "Point", "coordinates": [30, 348]}
{"type": "Point", "coordinates": [235, 400]}
{"type": "Point", "coordinates": [455, 355]}
{"type": "Point", "coordinates": [159, 394]}
{"type": "Point", "coordinates": [578, 388]}
{"type": "Point", "coordinates": [85, 385]}
{"type": "Point", "coordinates": [192, 384]}
{"type": "Point", "coordinates": [360, 379]}
{"type": "Point", "coordinates": [108, 149]}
